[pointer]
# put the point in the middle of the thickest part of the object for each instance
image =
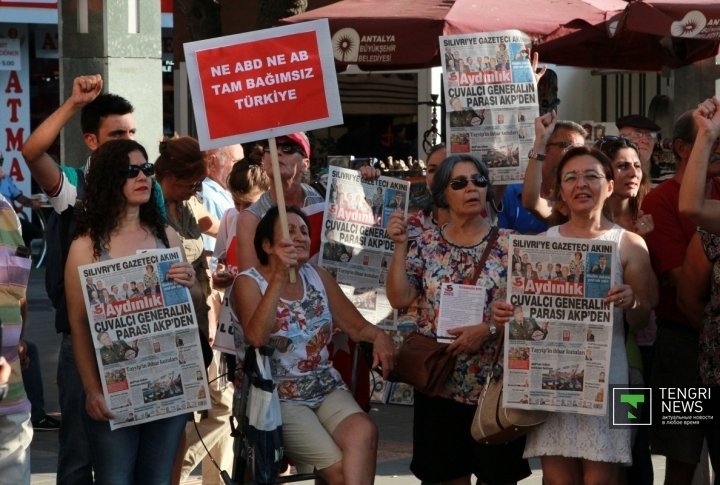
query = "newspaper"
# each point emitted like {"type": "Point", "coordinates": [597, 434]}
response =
{"type": "Point", "coordinates": [491, 98]}
{"type": "Point", "coordinates": [557, 345]}
{"type": "Point", "coordinates": [355, 248]}
{"type": "Point", "coordinates": [147, 343]}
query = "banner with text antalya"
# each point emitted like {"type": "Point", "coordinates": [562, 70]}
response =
{"type": "Point", "coordinates": [557, 345]}
{"type": "Point", "coordinates": [263, 84]}
{"type": "Point", "coordinates": [146, 338]}
{"type": "Point", "coordinates": [355, 248]}
{"type": "Point", "coordinates": [491, 100]}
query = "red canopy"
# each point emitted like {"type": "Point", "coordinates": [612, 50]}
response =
{"type": "Point", "coordinates": [403, 34]}
{"type": "Point", "coordinates": [676, 18]}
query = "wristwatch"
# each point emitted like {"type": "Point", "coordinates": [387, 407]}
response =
{"type": "Point", "coordinates": [493, 328]}
{"type": "Point", "coordinates": [540, 157]}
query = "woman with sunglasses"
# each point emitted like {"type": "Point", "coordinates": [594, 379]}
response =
{"type": "Point", "coordinates": [443, 449]}
{"type": "Point", "coordinates": [578, 448]}
{"type": "Point", "coordinates": [120, 216]}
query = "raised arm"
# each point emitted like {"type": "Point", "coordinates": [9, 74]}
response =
{"type": "Point", "coordinates": [639, 276]}
{"type": "Point", "coordinates": [246, 225]}
{"type": "Point", "coordinates": [692, 203]}
{"type": "Point", "coordinates": [349, 319]}
{"type": "Point", "coordinates": [694, 293]}
{"type": "Point", "coordinates": [400, 292]}
{"type": "Point", "coordinates": [81, 252]}
{"type": "Point", "coordinates": [42, 167]}
{"type": "Point", "coordinates": [532, 183]}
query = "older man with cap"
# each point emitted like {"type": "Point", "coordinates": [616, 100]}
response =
{"type": "Point", "coordinates": [644, 132]}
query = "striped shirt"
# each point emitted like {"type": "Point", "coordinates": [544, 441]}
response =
{"type": "Point", "coordinates": [13, 285]}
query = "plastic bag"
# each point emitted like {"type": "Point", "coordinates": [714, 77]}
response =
{"type": "Point", "coordinates": [264, 431]}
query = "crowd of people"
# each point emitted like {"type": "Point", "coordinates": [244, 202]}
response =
{"type": "Point", "coordinates": [220, 209]}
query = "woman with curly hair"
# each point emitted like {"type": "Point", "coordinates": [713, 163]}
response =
{"type": "Point", "coordinates": [120, 216]}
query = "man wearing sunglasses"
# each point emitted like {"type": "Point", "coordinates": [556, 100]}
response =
{"type": "Point", "coordinates": [103, 117]}
{"type": "Point", "coordinates": [527, 206]}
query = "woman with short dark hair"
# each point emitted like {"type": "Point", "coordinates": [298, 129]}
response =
{"type": "Point", "coordinates": [581, 448]}
{"type": "Point", "coordinates": [443, 449]}
{"type": "Point", "coordinates": [323, 426]}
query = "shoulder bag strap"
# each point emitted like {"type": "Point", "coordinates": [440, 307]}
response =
{"type": "Point", "coordinates": [492, 238]}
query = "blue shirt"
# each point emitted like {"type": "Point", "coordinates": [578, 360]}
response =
{"type": "Point", "coordinates": [515, 216]}
{"type": "Point", "coordinates": [8, 188]}
{"type": "Point", "coordinates": [216, 200]}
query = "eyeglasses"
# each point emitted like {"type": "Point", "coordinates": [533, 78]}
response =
{"type": "Point", "coordinates": [134, 170]}
{"type": "Point", "coordinates": [589, 176]}
{"type": "Point", "coordinates": [460, 183]}
{"type": "Point", "coordinates": [607, 143]}
{"type": "Point", "coordinates": [639, 135]}
{"type": "Point", "coordinates": [286, 149]}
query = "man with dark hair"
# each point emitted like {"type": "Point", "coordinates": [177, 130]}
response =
{"type": "Point", "coordinates": [676, 345]}
{"type": "Point", "coordinates": [526, 207]}
{"type": "Point", "coordinates": [104, 117]}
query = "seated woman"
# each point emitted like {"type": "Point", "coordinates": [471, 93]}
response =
{"type": "Point", "coordinates": [323, 426]}
{"type": "Point", "coordinates": [119, 217]}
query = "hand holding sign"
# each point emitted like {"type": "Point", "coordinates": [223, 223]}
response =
{"type": "Point", "coordinates": [261, 85]}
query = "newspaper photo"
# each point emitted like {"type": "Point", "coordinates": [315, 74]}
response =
{"type": "Point", "coordinates": [355, 248]}
{"type": "Point", "coordinates": [492, 100]}
{"type": "Point", "coordinates": [147, 343]}
{"type": "Point", "coordinates": [557, 345]}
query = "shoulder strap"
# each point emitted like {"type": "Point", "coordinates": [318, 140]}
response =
{"type": "Point", "coordinates": [492, 237]}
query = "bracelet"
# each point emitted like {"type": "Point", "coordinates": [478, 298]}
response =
{"type": "Point", "coordinates": [635, 305]}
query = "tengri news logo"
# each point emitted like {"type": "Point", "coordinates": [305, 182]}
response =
{"type": "Point", "coordinates": [628, 404]}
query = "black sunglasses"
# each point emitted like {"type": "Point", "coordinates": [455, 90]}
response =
{"type": "Point", "coordinates": [460, 183]}
{"type": "Point", "coordinates": [286, 149]}
{"type": "Point", "coordinates": [614, 140]}
{"type": "Point", "coordinates": [134, 170]}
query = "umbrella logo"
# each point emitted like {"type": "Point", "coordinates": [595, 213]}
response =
{"type": "Point", "coordinates": [690, 26]}
{"type": "Point", "coordinates": [346, 45]}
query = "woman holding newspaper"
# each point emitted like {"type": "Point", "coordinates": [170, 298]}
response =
{"type": "Point", "coordinates": [443, 449]}
{"type": "Point", "coordinates": [119, 217]}
{"type": "Point", "coordinates": [578, 448]}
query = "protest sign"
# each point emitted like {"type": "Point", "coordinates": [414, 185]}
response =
{"type": "Point", "coordinates": [491, 98]}
{"type": "Point", "coordinates": [557, 345]}
{"type": "Point", "coordinates": [146, 338]}
{"type": "Point", "coordinates": [355, 247]}
{"type": "Point", "coordinates": [263, 84]}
